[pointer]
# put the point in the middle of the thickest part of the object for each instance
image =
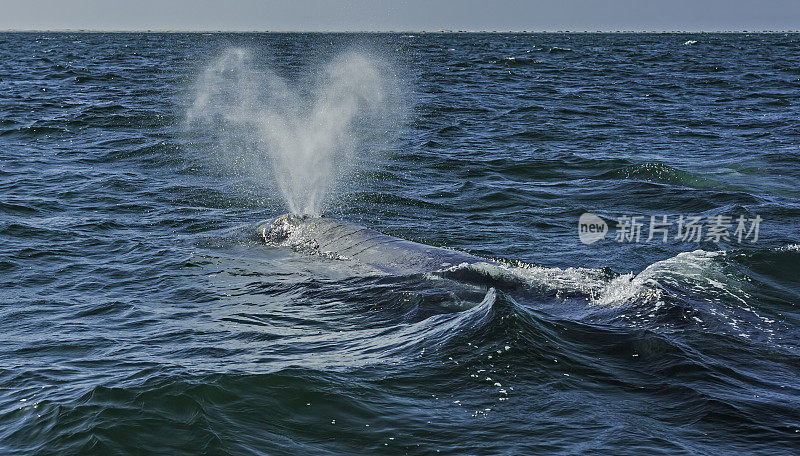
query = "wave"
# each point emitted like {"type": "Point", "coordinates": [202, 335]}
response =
{"type": "Point", "coordinates": [696, 289]}
{"type": "Point", "coordinates": [559, 50]}
{"type": "Point", "coordinates": [34, 131]}
{"type": "Point", "coordinates": [494, 360]}
{"type": "Point", "coordinates": [100, 77]}
{"type": "Point", "coordinates": [662, 173]}
{"type": "Point", "coordinates": [595, 286]}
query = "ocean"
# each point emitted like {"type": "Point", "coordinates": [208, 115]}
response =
{"type": "Point", "coordinates": [637, 194]}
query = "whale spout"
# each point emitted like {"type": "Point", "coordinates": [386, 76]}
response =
{"type": "Point", "coordinates": [339, 239]}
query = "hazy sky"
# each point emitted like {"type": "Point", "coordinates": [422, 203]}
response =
{"type": "Point", "coordinates": [400, 15]}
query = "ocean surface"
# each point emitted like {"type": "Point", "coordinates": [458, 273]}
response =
{"type": "Point", "coordinates": [139, 313]}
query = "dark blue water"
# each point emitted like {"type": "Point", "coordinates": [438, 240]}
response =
{"type": "Point", "coordinates": [140, 316]}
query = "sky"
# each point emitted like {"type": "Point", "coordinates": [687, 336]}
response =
{"type": "Point", "coordinates": [386, 15]}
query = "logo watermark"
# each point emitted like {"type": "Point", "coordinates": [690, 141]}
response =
{"type": "Point", "coordinates": [591, 228]}
{"type": "Point", "coordinates": [635, 229]}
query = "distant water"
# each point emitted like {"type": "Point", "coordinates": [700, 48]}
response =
{"type": "Point", "coordinates": [139, 316]}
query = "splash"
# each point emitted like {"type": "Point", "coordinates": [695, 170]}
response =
{"type": "Point", "coordinates": [300, 137]}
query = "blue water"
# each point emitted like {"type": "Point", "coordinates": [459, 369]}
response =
{"type": "Point", "coordinates": [139, 315]}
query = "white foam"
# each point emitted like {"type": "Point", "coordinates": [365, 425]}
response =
{"type": "Point", "coordinates": [696, 268]}
{"type": "Point", "coordinates": [627, 288]}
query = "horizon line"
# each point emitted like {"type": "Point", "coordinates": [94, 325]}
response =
{"type": "Point", "coordinates": [442, 31]}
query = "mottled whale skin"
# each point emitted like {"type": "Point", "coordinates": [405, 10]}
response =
{"type": "Point", "coordinates": [345, 240]}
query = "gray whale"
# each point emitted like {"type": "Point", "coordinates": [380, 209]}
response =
{"type": "Point", "coordinates": [345, 240]}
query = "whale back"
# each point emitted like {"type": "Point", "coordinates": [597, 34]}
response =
{"type": "Point", "coordinates": [345, 240]}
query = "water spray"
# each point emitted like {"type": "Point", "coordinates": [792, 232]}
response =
{"type": "Point", "coordinates": [301, 138]}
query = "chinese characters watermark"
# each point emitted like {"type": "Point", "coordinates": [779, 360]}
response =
{"type": "Point", "coordinates": [635, 229]}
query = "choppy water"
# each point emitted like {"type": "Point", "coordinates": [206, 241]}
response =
{"type": "Point", "coordinates": [139, 317]}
